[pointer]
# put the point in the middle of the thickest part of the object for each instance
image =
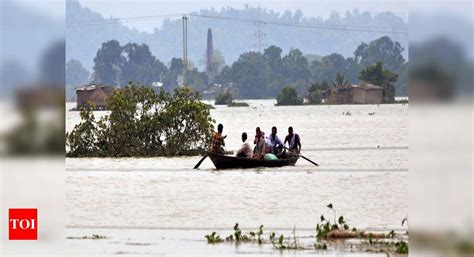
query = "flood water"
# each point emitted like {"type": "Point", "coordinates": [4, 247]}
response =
{"type": "Point", "coordinates": [164, 206]}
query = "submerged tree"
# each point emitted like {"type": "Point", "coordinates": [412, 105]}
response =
{"type": "Point", "coordinates": [289, 96]}
{"type": "Point", "coordinates": [144, 123]}
{"type": "Point", "coordinates": [377, 75]}
{"type": "Point", "coordinates": [224, 98]}
{"type": "Point", "coordinates": [315, 92]}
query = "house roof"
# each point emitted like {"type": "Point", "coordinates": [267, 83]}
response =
{"type": "Point", "coordinates": [91, 87]}
{"type": "Point", "coordinates": [367, 86]}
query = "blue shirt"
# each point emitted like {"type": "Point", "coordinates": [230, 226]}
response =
{"type": "Point", "coordinates": [273, 142]}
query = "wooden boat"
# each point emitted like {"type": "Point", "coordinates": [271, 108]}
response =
{"type": "Point", "coordinates": [232, 162]}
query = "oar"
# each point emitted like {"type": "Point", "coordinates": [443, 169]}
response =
{"type": "Point", "coordinates": [309, 160]}
{"type": "Point", "coordinates": [199, 163]}
{"type": "Point", "coordinates": [302, 156]}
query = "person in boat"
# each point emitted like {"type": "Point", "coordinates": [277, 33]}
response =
{"type": "Point", "coordinates": [294, 142]}
{"type": "Point", "coordinates": [259, 141]}
{"type": "Point", "coordinates": [218, 143]}
{"type": "Point", "coordinates": [245, 150]}
{"type": "Point", "coordinates": [274, 143]}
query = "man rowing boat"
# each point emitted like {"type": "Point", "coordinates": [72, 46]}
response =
{"type": "Point", "coordinates": [218, 141]}
{"type": "Point", "coordinates": [294, 142]}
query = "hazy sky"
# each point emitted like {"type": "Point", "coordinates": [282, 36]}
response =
{"type": "Point", "coordinates": [127, 8]}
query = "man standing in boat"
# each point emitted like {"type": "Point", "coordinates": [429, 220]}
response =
{"type": "Point", "coordinates": [294, 143]}
{"type": "Point", "coordinates": [218, 141]}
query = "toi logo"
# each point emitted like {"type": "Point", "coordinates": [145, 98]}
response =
{"type": "Point", "coordinates": [22, 224]}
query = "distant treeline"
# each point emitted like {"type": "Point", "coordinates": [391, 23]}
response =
{"type": "Point", "coordinates": [235, 37]}
{"type": "Point", "coordinates": [254, 75]}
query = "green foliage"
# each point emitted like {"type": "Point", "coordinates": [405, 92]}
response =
{"type": "Point", "coordinates": [238, 104]}
{"type": "Point", "coordinates": [375, 74]}
{"type": "Point", "coordinates": [289, 96]}
{"type": "Point", "coordinates": [86, 40]}
{"type": "Point", "coordinates": [254, 75]}
{"type": "Point", "coordinates": [315, 91]}
{"type": "Point", "coordinates": [401, 247]}
{"type": "Point", "coordinates": [140, 65]}
{"type": "Point", "coordinates": [144, 123]}
{"type": "Point", "coordinates": [118, 65]}
{"type": "Point", "coordinates": [76, 74]}
{"type": "Point", "coordinates": [327, 233]}
{"type": "Point", "coordinates": [282, 245]}
{"type": "Point", "coordinates": [340, 81]}
{"type": "Point", "coordinates": [213, 238]}
{"type": "Point", "coordinates": [325, 226]}
{"type": "Point", "coordinates": [224, 98]}
{"type": "Point", "coordinates": [251, 75]}
{"type": "Point", "coordinates": [382, 49]}
{"type": "Point", "coordinates": [108, 63]}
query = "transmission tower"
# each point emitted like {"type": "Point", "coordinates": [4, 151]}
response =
{"type": "Point", "coordinates": [185, 49]}
{"type": "Point", "coordinates": [259, 34]}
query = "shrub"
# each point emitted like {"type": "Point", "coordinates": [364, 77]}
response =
{"type": "Point", "coordinates": [238, 104]}
{"type": "Point", "coordinates": [288, 96]}
{"type": "Point", "coordinates": [224, 98]}
{"type": "Point", "coordinates": [144, 123]}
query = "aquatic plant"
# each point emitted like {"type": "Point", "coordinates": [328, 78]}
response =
{"type": "Point", "coordinates": [238, 104]}
{"type": "Point", "coordinates": [92, 237]}
{"type": "Point", "coordinates": [213, 238]}
{"type": "Point", "coordinates": [258, 235]}
{"type": "Point", "coordinates": [280, 243]}
{"type": "Point", "coordinates": [401, 247]}
{"type": "Point", "coordinates": [327, 231]}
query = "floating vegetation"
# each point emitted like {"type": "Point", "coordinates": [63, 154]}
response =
{"type": "Point", "coordinates": [93, 237]}
{"type": "Point", "coordinates": [329, 234]}
{"type": "Point", "coordinates": [238, 104]}
{"type": "Point", "coordinates": [213, 238]}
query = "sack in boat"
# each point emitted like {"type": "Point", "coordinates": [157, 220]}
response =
{"type": "Point", "coordinates": [270, 157]}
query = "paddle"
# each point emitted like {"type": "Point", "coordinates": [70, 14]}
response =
{"type": "Point", "coordinates": [199, 163]}
{"type": "Point", "coordinates": [302, 156]}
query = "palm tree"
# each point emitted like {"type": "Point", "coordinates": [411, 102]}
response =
{"type": "Point", "coordinates": [340, 81]}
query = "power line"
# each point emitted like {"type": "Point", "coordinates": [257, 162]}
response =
{"type": "Point", "coordinates": [386, 30]}
{"type": "Point", "coordinates": [351, 28]}
{"type": "Point", "coordinates": [84, 23]}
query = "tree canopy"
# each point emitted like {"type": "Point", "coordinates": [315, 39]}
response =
{"type": "Point", "coordinates": [76, 74]}
{"type": "Point", "coordinates": [143, 123]}
{"type": "Point", "coordinates": [254, 75]}
{"type": "Point", "coordinates": [377, 75]}
{"type": "Point", "coordinates": [288, 96]}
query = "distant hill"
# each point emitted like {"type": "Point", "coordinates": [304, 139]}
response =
{"type": "Point", "coordinates": [231, 37]}
{"type": "Point", "coordinates": [313, 57]}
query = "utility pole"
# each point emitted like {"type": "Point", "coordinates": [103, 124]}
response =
{"type": "Point", "coordinates": [185, 49]}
